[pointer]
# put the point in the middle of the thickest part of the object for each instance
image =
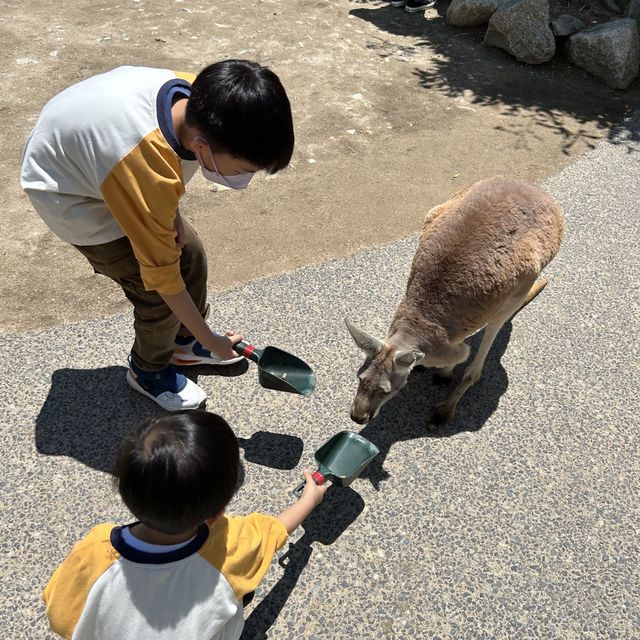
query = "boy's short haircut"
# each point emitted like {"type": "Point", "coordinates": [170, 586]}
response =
{"type": "Point", "coordinates": [242, 109]}
{"type": "Point", "coordinates": [175, 471]}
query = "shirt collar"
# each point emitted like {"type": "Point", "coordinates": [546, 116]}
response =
{"type": "Point", "coordinates": [144, 557]}
{"type": "Point", "coordinates": [164, 103]}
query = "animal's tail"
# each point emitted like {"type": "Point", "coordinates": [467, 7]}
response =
{"type": "Point", "coordinates": [535, 290]}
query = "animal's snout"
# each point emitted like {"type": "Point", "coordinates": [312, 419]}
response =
{"type": "Point", "coordinates": [359, 419]}
{"type": "Point", "coordinates": [360, 409]}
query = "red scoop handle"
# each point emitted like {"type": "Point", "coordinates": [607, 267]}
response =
{"type": "Point", "coordinates": [318, 478]}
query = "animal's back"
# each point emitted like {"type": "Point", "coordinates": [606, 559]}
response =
{"type": "Point", "coordinates": [476, 247]}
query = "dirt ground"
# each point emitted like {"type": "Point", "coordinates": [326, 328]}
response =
{"type": "Point", "coordinates": [393, 113]}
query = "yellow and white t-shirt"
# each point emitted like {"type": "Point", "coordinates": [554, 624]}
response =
{"type": "Point", "coordinates": [103, 161]}
{"type": "Point", "coordinates": [108, 588]}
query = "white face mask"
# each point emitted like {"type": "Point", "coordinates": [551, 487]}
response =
{"type": "Point", "coordinates": [239, 181]}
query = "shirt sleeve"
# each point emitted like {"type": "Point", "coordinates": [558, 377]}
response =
{"type": "Point", "coordinates": [186, 75]}
{"type": "Point", "coordinates": [142, 192]}
{"type": "Point", "coordinates": [66, 593]}
{"type": "Point", "coordinates": [251, 543]}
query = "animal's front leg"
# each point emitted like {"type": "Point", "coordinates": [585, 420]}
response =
{"type": "Point", "coordinates": [442, 377]}
{"type": "Point", "coordinates": [446, 410]}
{"type": "Point", "coordinates": [445, 362]}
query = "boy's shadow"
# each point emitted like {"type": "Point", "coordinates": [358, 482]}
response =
{"type": "Point", "coordinates": [339, 509]}
{"type": "Point", "coordinates": [406, 417]}
{"type": "Point", "coordinates": [88, 412]}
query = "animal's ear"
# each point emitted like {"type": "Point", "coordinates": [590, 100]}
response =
{"type": "Point", "coordinates": [406, 359]}
{"type": "Point", "coordinates": [370, 345]}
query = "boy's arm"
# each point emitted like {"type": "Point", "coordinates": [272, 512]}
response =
{"type": "Point", "coordinates": [142, 191]}
{"type": "Point", "coordinates": [186, 311]}
{"type": "Point", "coordinates": [311, 497]}
{"type": "Point", "coordinates": [67, 591]}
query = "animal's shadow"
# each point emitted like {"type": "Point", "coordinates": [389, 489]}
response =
{"type": "Point", "coordinates": [339, 509]}
{"type": "Point", "coordinates": [88, 411]}
{"type": "Point", "coordinates": [406, 417]}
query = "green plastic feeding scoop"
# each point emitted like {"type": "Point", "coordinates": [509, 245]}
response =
{"type": "Point", "coordinates": [341, 460]}
{"type": "Point", "coordinates": [278, 369]}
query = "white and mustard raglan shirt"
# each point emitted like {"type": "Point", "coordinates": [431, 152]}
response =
{"type": "Point", "coordinates": [103, 161]}
{"type": "Point", "coordinates": [113, 586]}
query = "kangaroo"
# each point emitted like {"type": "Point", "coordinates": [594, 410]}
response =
{"type": "Point", "coordinates": [477, 263]}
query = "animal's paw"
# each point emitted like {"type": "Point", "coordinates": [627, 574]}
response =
{"type": "Point", "coordinates": [440, 379]}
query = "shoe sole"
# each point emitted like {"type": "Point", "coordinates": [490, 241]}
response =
{"type": "Point", "coordinates": [416, 9]}
{"type": "Point", "coordinates": [136, 387]}
{"type": "Point", "coordinates": [194, 361]}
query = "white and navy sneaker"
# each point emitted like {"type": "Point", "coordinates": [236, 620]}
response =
{"type": "Point", "coordinates": [412, 6]}
{"type": "Point", "coordinates": [189, 353]}
{"type": "Point", "coordinates": [397, 3]}
{"type": "Point", "coordinates": [167, 387]}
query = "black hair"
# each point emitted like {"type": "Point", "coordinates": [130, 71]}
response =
{"type": "Point", "coordinates": [242, 109]}
{"type": "Point", "coordinates": [175, 471]}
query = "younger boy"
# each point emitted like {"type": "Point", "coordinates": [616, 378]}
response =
{"type": "Point", "coordinates": [105, 167]}
{"type": "Point", "coordinates": [183, 569]}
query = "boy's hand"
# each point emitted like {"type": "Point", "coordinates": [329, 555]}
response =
{"type": "Point", "coordinates": [311, 497]}
{"type": "Point", "coordinates": [225, 343]}
{"type": "Point", "coordinates": [233, 336]}
{"type": "Point", "coordinates": [313, 492]}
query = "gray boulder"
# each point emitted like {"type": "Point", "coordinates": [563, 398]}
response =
{"type": "Point", "coordinates": [632, 10]}
{"type": "Point", "coordinates": [470, 13]}
{"type": "Point", "coordinates": [609, 51]}
{"type": "Point", "coordinates": [612, 6]}
{"type": "Point", "coordinates": [521, 27]}
{"type": "Point", "coordinates": [566, 25]}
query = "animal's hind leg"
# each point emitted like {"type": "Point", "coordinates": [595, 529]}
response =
{"type": "Point", "coordinates": [446, 410]}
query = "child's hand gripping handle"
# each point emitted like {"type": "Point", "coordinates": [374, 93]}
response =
{"type": "Point", "coordinates": [247, 350]}
{"type": "Point", "coordinates": [318, 478]}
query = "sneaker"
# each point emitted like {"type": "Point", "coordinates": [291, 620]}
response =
{"type": "Point", "coordinates": [419, 5]}
{"type": "Point", "coordinates": [397, 3]}
{"type": "Point", "coordinates": [189, 352]}
{"type": "Point", "coordinates": [167, 387]}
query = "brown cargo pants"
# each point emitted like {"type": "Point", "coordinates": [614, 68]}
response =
{"type": "Point", "coordinates": [155, 325]}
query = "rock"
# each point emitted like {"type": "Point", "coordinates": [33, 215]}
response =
{"type": "Point", "coordinates": [609, 51]}
{"type": "Point", "coordinates": [566, 25]}
{"type": "Point", "coordinates": [521, 27]}
{"type": "Point", "coordinates": [612, 6]}
{"type": "Point", "coordinates": [470, 13]}
{"type": "Point", "coordinates": [633, 10]}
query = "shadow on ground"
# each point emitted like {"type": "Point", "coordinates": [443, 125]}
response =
{"type": "Point", "coordinates": [275, 450]}
{"type": "Point", "coordinates": [406, 417]}
{"type": "Point", "coordinates": [462, 67]}
{"type": "Point", "coordinates": [86, 414]}
{"type": "Point", "coordinates": [339, 509]}
{"type": "Point", "coordinates": [88, 411]}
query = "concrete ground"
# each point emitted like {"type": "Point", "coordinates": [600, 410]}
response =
{"type": "Point", "coordinates": [519, 520]}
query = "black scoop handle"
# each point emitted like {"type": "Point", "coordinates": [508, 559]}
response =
{"type": "Point", "coordinates": [247, 350]}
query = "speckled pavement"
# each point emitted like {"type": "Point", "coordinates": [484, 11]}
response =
{"type": "Point", "coordinates": [519, 520]}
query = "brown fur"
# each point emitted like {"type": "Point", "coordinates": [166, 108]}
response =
{"type": "Point", "coordinates": [476, 249]}
{"type": "Point", "coordinates": [476, 264]}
